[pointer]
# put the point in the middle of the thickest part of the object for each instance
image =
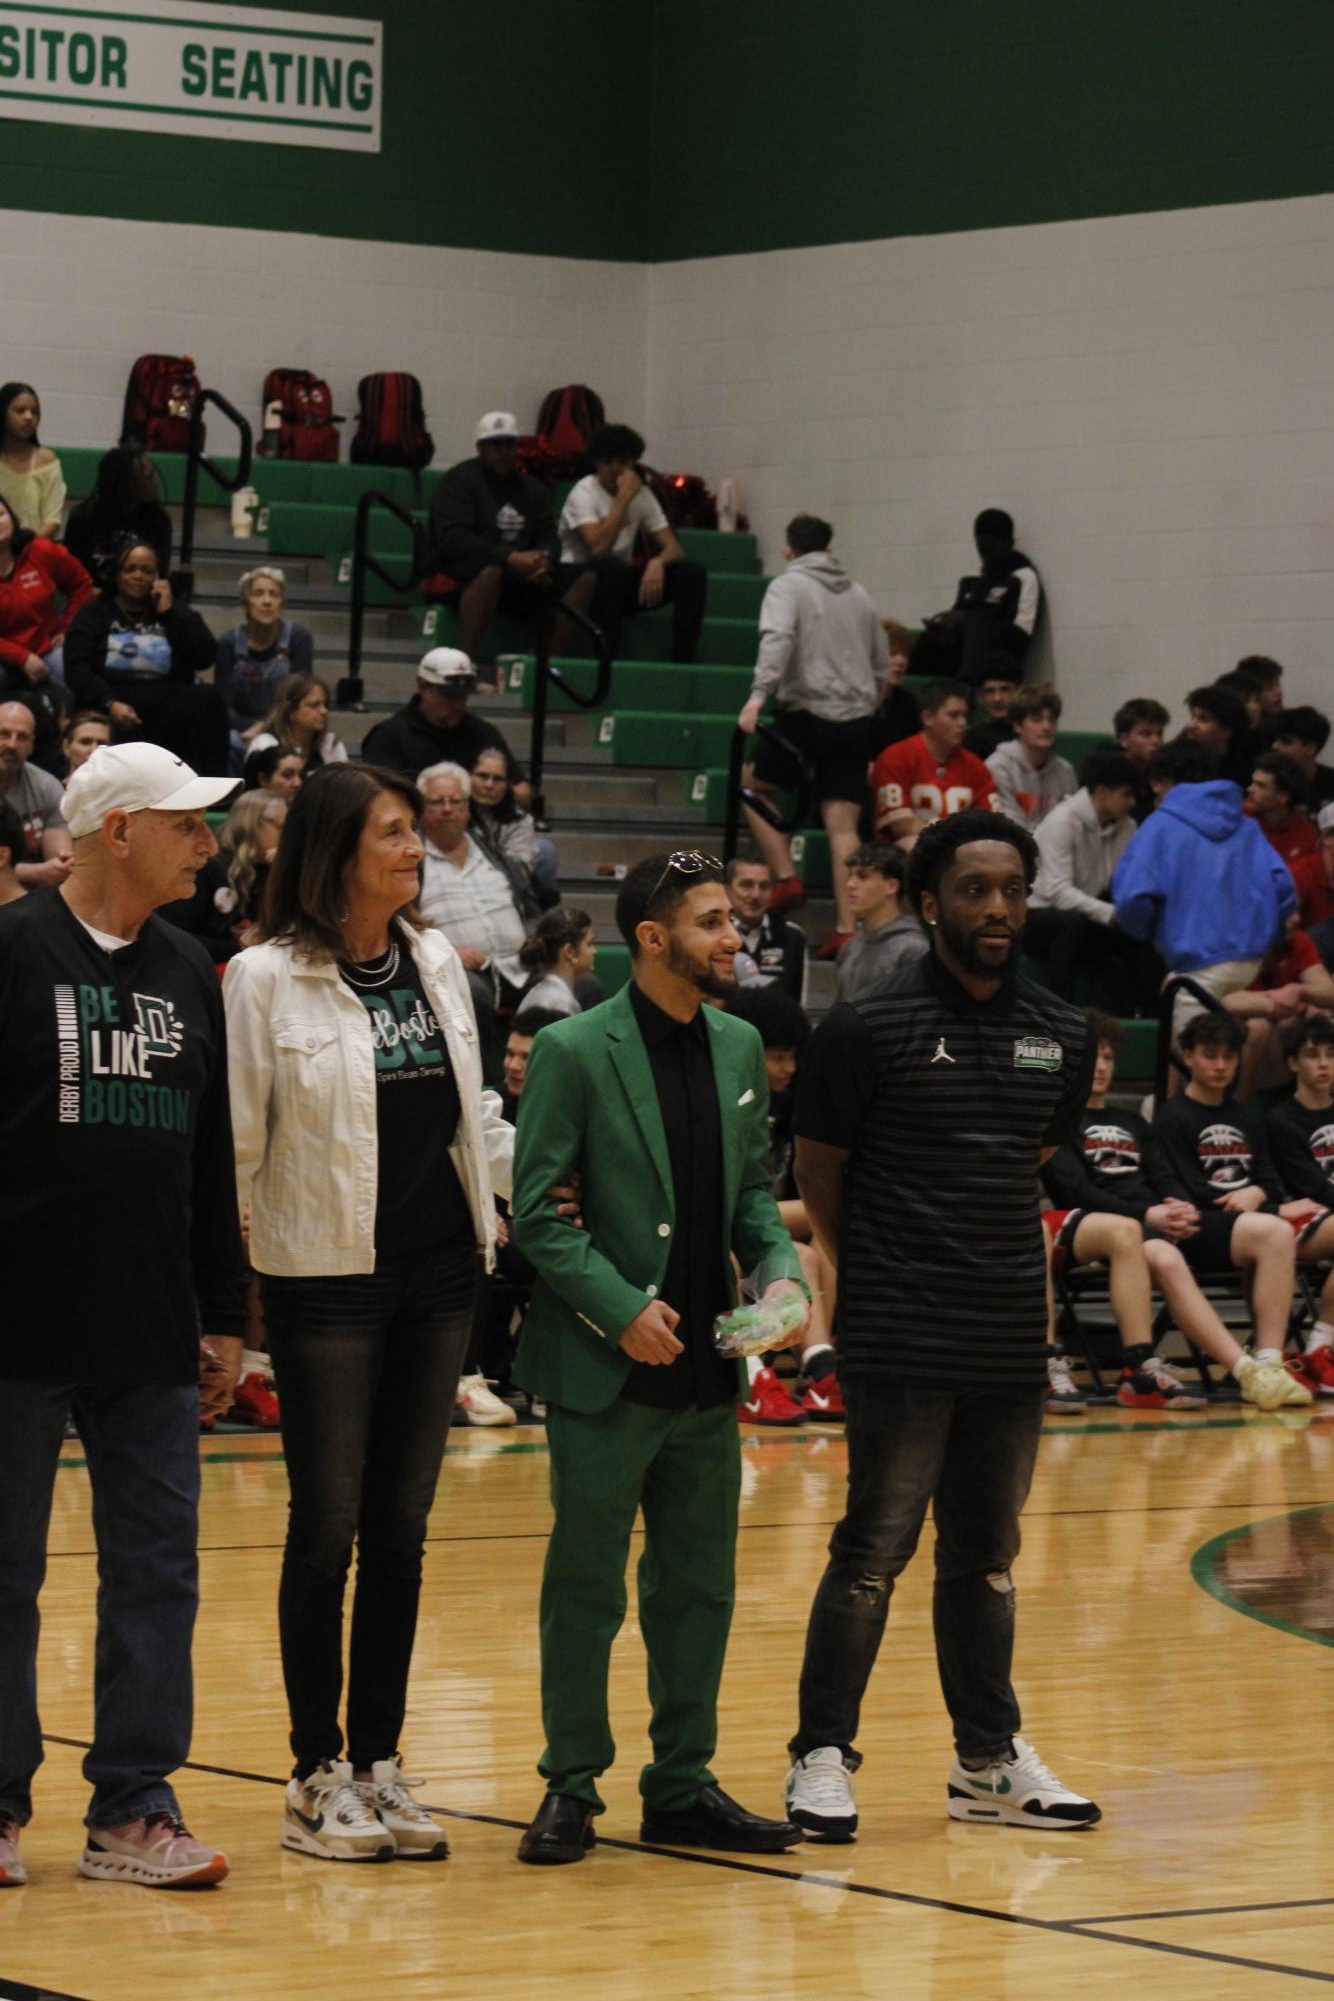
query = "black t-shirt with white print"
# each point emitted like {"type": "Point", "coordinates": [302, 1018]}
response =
{"type": "Point", "coordinates": [420, 1203]}
{"type": "Point", "coordinates": [1302, 1143]}
{"type": "Point", "coordinates": [1206, 1152]}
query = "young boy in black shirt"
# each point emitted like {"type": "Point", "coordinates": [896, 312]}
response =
{"type": "Point", "coordinates": [1300, 1131]}
{"type": "Point", "coordinates": [1211, 1151]}
{"type": "Point", "coordinates": [1108, 1210]}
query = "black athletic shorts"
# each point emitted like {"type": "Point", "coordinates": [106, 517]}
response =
{"type": "Point", "coordinates": [1210, 1249]}
{"type": "Point", "coordinates": [840, 754]}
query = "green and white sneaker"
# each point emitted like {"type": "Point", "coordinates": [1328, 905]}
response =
{"type": "Point", "coordinates": [1019, 1790]}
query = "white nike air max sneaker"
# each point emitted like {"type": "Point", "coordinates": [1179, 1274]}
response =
{"type": "Point", "coordinates": [1019, 1790]}
{"type": "Point", "coordinates": [325, 1815]}
{"type": "Point", "coordinates": [819, 1795]}
{"type": "Point", "coordinates": [417, 1838]}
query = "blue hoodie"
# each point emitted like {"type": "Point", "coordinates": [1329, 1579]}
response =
{"type": "Point", "coordinates": [1201, 880]}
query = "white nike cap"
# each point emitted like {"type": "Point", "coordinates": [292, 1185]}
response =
{"type": "Point", "coordinates": [137, 778]}
{"type": "Point", "coordinates": [502, 425]}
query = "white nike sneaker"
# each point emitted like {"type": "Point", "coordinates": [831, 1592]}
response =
{"type": "Point", "coordinates": [1268, 1385]}
{"type": "Point", "coordinates": [819, 1795]}
{"type": "Point", "coordinates": [1019, 1790]}
{"type": "Point", "coordinates": [480, 1404]}
{"type": "Point", "coordinates": [325, 1815]}
{"type": "Point", "coordinates": [417, 1838]}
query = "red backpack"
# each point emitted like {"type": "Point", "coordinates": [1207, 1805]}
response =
{"type": "Point", "coordinates": [568, 419]}
{"type": "Point", "coordinates": [306, 422]}
{"type": "Point", "coordinates": [158, 399]}
{"type": "Point", "coordinates": [391, 428]}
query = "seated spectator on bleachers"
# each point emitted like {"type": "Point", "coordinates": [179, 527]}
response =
{"type": "Point", "coordinates": [518, 1046]}
{"type": "Point", "coordinates": [1268, 675]}
{"type": "Point", "coordinates": [1300, 1131]}
{"type": "Point", "coordinates": [996, 694]}
{"type": "Point", "coordinates": [501, 821]}
{"type": "Point", "coordinates": [785, 1031]}
{"type": "Point", "coordinates": [124, 501]}
{"type": "Point", "coordinates": [299, 721]}
{"type": "Point", "coordinates": [1109, 1208]}
{"type": "Point", "coordinates": [1071, 925]}
{"type": "Point", "coordinates": [1276, 800]}
{"type": "Point", "coordinates": [435, 726]}
{"type": "Point", "coordinates": [1250, 691]}
{"type": "Point", "coordinates": [929, 776]}
{"type": "Point", "coordinates": [993, 616]}
{"type": "Point", "coordinates": [274, 768]}
{"type": "Point", "coordinates": [1302, 734]}
{"type": "Point", "coordinates": [889, 933]}
{"type": "Point", "coordinates": [557, 953]}
{"type": "Point", "coordinates": [493, 535]}
{"type": "Point", "coordinates": [12, 850]}
{"type": "Point", "coordinates": [32, 485]}
{"type": "Point", "coordinates": [229, 888]}
{"type": "Point", "coordinates": [604, 516]}
{"type": "Point", "coordinates": [1030, 776]}
{"type": "Point", "coordinates": [38, 800]}
{"type": "Point", "coordinates": [1138, 729]}
{"type": "Point", "coordinates": [1291, 981]}
{"type": "Point", "coordinates": [84, 731]}
{"type": "Point", "coordinates": [258, 655]}
{"type": "Point", "coordinates": [823, 659]}
{"type": "Point", "coordinates": [467, 893]}
{"type": "Point", "coordinates": [134, 653]}
{"type": "Point", "coordinates": [897, 715]}
{"type": "Point", "coordinates": [1199, 880]}
{"type": "Point", "coordinates": [1314, 878]}
{"type": "Point", "coordinates": [774, 945]}
{"type": "Point", "coordinates": [1218, 721]}
{"type": "Point", "coordinates": [36, 574]}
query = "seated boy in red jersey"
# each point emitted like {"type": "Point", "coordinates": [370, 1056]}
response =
{"type": "Point", "coordinates": [929, 776]}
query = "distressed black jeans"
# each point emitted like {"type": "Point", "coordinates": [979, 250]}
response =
{"type": "Point", "coordinates": [970, 1454]}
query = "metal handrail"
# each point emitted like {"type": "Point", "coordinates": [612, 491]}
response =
{"type": "Point", "coordinates": [1165, 1055]}
{"type": "Point", "coordinates": [197, 460]}
{"type": "Point", "coordinates": [549, 674]}
{"type": "Point", "coordinates": [739, 795]}
{"type": "Point", "coordinates": [351, 688]}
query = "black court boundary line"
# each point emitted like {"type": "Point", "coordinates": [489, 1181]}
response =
{"type": "Point", "coordinates": [1062, 1927]}
{"type": "Point", "coordinates": [18, 1990]}
{"type": "Point", "coordinates": [1202, 1911]}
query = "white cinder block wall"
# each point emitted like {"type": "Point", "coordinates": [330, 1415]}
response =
{"type": "Point", "coordinates": [1151, 396]}
{"type": "Point", "coordinates": [482, 330]}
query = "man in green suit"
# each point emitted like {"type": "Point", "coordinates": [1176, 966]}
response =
{"type": "Point", "coordinates": [659, 1106]}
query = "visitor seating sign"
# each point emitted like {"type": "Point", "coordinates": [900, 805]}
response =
{"type": "Point", "coordinates": [184, 66]}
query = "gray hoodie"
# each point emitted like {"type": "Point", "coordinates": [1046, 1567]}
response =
{"type": "Point", "coordinates": [868, 959]}
{"type": "Point", "coordinates": [822, 646]}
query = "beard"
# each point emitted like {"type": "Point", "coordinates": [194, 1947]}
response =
{"type": "Point", "coordinates": [964, 947]}
{"type": "Point", "coordinates": [702, 977]}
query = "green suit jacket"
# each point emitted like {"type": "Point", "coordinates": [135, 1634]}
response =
{"type": "Point", "coordinates": [590, 1105]}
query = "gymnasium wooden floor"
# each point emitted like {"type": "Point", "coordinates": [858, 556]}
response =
{"type": "Point", "coordinates": [1176, 1611]}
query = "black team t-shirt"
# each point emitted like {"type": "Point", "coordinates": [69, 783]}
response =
{"type": "Point", "coordinates": [117, 1173]}
{"type": "Point", "coordinates": [945, 1104]}
{"type": "Point", "coordinates": [1206, 1152]}
{"type": "Point", "coordinates": [420, 1204]}
{"type": "Point", "coordinates": [1108, 1167]}
{"type": "Point", "coordinates": [1302, 1144]}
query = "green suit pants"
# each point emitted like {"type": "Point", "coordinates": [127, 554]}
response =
{"type": "Point", "coordinates": [684, 1468]}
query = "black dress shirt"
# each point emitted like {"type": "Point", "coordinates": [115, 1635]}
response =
{"type": "Point", "coordinates": [697, 1282]}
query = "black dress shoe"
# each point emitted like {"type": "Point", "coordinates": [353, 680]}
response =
{"type": "Point", "coordinates": [561, 1831]}
{"type": "Point", "coordinates": [715, 1821]}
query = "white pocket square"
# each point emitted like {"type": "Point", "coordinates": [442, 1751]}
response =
{"type": "Point", "coordinates": [745, 1099]}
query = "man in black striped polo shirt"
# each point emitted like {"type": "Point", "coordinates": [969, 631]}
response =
{"type": "Point", "coordinates": [924, 1113]}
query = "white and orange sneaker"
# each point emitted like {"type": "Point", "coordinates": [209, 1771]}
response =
{"type": "Point", "coordinates": [158, 1851]}
{"type": "Point", "coordinates": [12, 1871]}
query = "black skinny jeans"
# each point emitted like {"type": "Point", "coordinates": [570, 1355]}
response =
{"type": "Point", "coordinates": [969, 1454]}
{"type": "Point", "coordinates": [366, 1368]}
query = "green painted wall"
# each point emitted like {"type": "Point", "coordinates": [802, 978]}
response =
{"type": "Point", "coordinates": [484, 146]}
{"type": "Point", "coordinates": [778, 123]}
{"type": "Point", "coordinates": [656, 129]}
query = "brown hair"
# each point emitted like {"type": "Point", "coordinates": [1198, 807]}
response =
{"type": "Point", "coordinates": [305, 902]}
{"type": "Point", "coordinates": [1026, 702]}
{"type": "Point", "coordinates": [1105, 1028]}
{"type": "Point", "coordinates": [290, 693]}
{"type": "Point", "coordinates": [558, 928]}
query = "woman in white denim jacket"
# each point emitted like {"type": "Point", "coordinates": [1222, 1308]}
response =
{"type": "Point", "coordinates": [368, 1155]}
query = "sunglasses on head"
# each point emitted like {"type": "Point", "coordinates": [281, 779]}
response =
{"type": "Point", "coordinates": [685, 861]}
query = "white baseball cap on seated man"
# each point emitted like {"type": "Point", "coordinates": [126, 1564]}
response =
{"type": "Point", "coordinates": [447, 667]}
{"type": "Point", "coordinates": [500, 425]}
{"type": "Point", "coordinates": [137, 778]}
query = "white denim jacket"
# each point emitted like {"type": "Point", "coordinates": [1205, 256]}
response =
{"type": "Point", "coordinates": [302, 1071]}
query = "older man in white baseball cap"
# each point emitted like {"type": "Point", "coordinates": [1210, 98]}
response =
{"type": "Point", "coordinates": [435, 727]}
{"type": "Point", "coordinates": [125, 1288]}
{"type": "Point", "coordinates": [494, 541]}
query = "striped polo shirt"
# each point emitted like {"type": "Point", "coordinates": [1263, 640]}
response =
{"type": "Point", "coordinates": [945, 1104]}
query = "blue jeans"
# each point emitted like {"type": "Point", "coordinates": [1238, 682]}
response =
{"type": "Point", "coordinates": [142, 1447]}
{"type": "Point", "coordinates": [366, 1368]}
{"type": "Point", "coordinates": [969, 1454]}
